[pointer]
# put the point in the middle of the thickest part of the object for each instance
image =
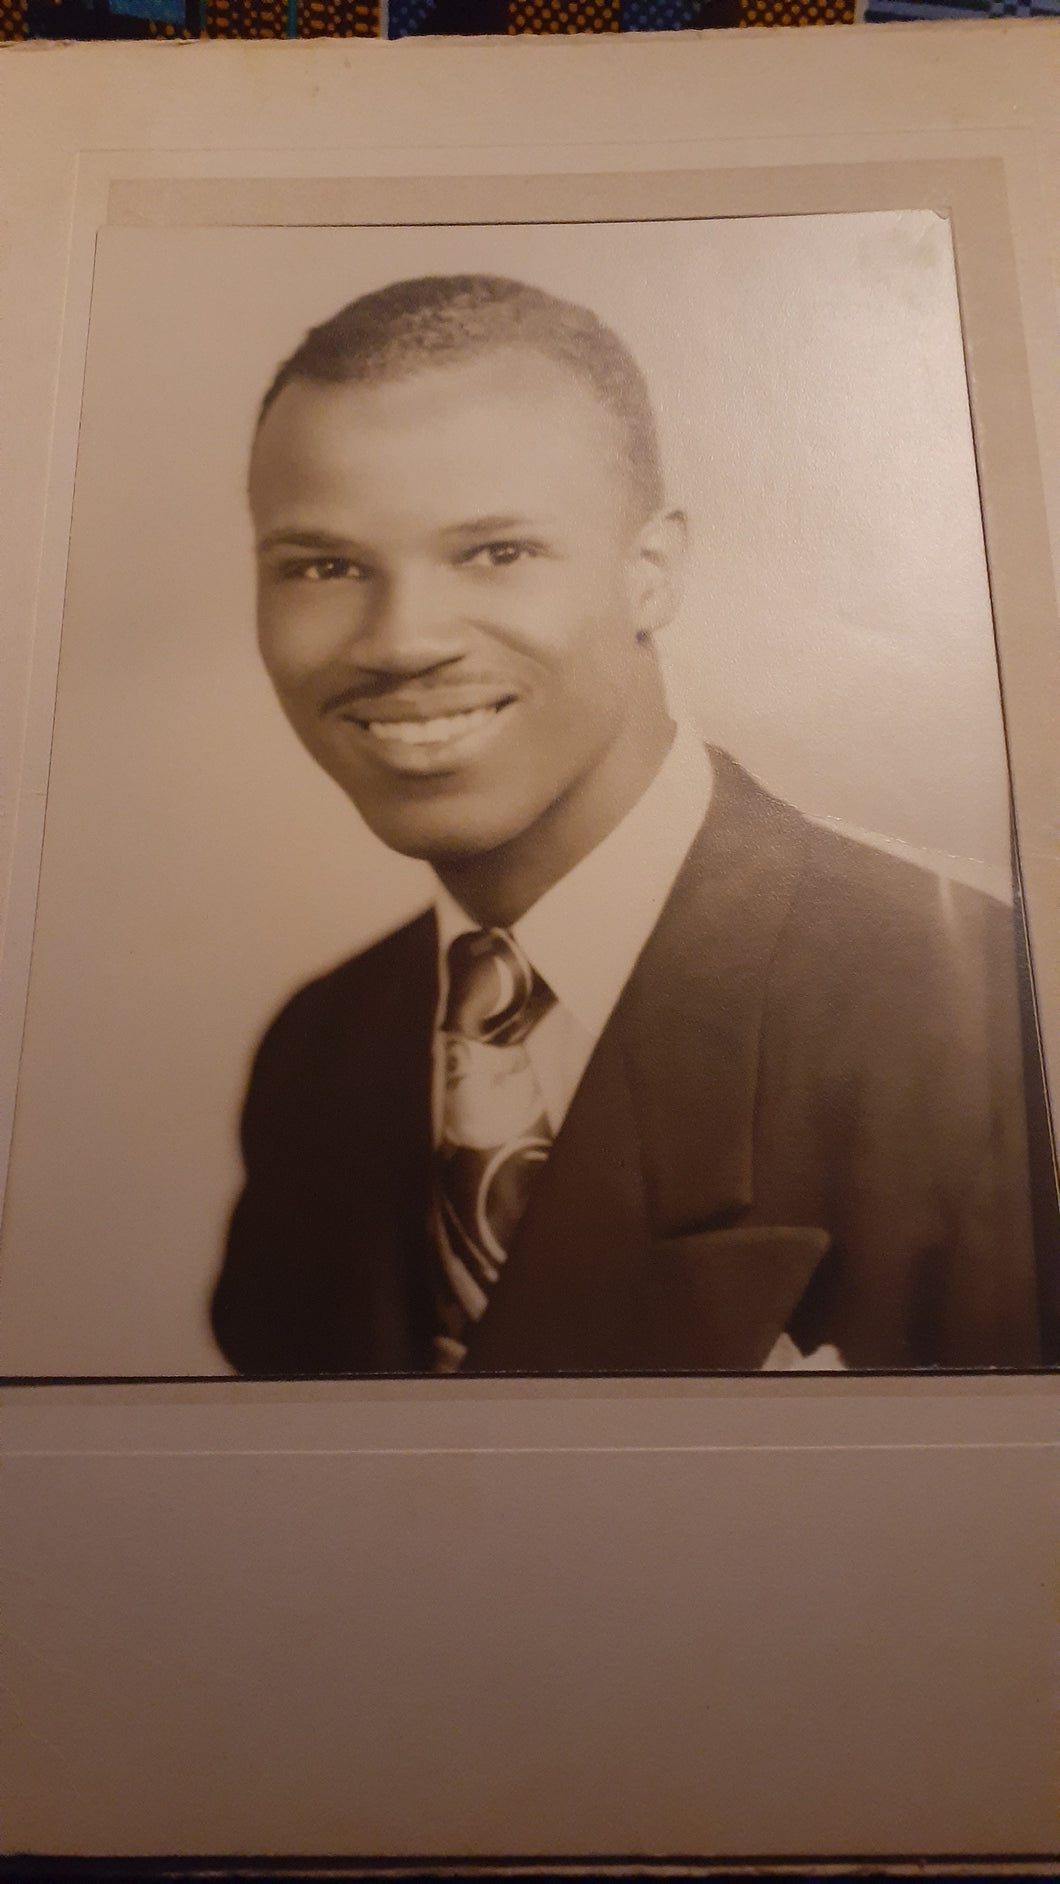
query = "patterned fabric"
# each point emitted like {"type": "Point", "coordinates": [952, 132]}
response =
{"type": "Point", "coordinates": [86, 19]}
{"type": "Point", "coordinates": [495, 1134]}
{"type": "Point", "coordinates": [881, 10]}
{"type": "Point", "coordinates": [559, 16]}
{"type": "Point", "coordinates": [343, 19]}
{"type": "Point", "coordinates": [564, 16]}
{"type": "Point", "coordinates": [190, 19]}
{"type": "Point", "coordinates": [659, 16]}
{"type": "Point", "coordinates": [337, 19]}
{"type": "Point", "coordinates": [163, 12]}
{"type": "Point", "coordinates": [609, 16]}
{"type": "Point", "coordinates": [246, 19]}
{"type": "Point", "coordinates": [797, 13]}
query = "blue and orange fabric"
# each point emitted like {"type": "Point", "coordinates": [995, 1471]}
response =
{"type": "Point", "coordinates": [397, 19]}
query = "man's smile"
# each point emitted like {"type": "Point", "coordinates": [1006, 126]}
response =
{"type": "Point", "coordinates": [426, 732]}
{"type": "Point", "coordinates": [423, 740]}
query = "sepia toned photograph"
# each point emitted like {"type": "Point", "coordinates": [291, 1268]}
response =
{"type": "Point", "coordinates": [528, 882]}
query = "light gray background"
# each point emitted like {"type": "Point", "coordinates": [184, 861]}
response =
{"type": "Point", "coordinates": [836, 637]}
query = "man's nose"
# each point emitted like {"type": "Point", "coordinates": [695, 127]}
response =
{"type": "Point", "coordinates": [407, 626]}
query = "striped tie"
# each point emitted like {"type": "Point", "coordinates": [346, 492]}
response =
{"type": "Point", "coordinates": [495, 1133]}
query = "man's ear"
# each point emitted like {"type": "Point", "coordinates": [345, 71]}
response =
{"type": "Point", "coordinates": [657, 568]}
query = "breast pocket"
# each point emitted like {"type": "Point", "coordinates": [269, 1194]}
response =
{"type": "Point", "coordinates": [725, 1297]}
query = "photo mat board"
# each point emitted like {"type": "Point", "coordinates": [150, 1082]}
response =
{"type": "Point", "coordinates": [676, 1585]}
{"type": "Point", "coordinates": [837, 637]}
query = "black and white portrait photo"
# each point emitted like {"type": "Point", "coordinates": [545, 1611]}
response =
{"type": "Point", "coordinates": [528, 876]}
{"type": "Point", "coordinates": [530, 952]}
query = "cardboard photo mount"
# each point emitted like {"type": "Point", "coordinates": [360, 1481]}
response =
{"type": "Point", "coordinates": [594, 1619]}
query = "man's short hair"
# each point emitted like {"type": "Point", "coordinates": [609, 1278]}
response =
{"type": "Point", "coordinates": [439, 320]}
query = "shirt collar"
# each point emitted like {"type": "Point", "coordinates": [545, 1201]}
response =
{"type": "Point", "coordinates": [587, 957]}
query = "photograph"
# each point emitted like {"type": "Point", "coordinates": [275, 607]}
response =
{"type": "Point", "coordinates": [530, 976]}
{"type": "Point", "coordinates": [528, 883]}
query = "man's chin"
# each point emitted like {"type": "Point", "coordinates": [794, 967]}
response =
{"type": "Point", "coordinates": [443, 841]}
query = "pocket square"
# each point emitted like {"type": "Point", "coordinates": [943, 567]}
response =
{"type": "Point", "coordinates": [785, 1358]}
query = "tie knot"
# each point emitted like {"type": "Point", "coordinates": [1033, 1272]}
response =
{"type": "Point", "coordinates": [494, 995]}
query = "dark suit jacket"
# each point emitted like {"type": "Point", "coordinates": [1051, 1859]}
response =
{"type": "Point", "coordinates": [806, 1114]}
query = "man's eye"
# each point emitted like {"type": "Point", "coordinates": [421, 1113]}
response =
{"type": "Point", "coordinates": [499, 555]}
{"type": "Point", "coordinates": [323, 569]}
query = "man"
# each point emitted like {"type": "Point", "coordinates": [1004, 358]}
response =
{"type": "Point", "coordinates": [669, 1079]}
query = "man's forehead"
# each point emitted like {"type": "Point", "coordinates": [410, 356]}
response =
{"type": "Point", "coordinates": [514, 414]}
{"type": "Point", "coordinates": [511, 383]}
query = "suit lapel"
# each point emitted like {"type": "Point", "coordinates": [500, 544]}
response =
{"type": "Point", "coordinates": [385, 1154]}
{"type": "Point", "coordinates": [691, 1015]}
{"type": "Point", "coordinates": [568, 1297]}
{"type": "Point", "coordinates": [638, 1251]}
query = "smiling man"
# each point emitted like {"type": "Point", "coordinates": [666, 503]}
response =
{"type": "Point", "coordinates": [668, 1078]}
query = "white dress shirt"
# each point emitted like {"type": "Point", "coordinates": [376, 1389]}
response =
{"type": "Point", "coordinates": [583, 936]}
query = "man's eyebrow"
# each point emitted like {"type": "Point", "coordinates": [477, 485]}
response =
{"type": "Point", "coordinates": [325, 541]}
{"type": "Point", "coordinates": [486, 526]}
{"type": "Point", "coordinates": [303, 539]}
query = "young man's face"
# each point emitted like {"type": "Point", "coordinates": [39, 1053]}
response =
{"type": "Point", "coordinates": [452, 578]}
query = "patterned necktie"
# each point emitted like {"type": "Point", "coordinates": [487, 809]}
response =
{"type": "Point", "coordinates": [495, 1132]}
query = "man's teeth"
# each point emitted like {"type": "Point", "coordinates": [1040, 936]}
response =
{"type": "Point", "coordinates": [428, 732]}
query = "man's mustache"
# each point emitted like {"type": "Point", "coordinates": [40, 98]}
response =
{"type": "Point", "coordinates": [457, 691]}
